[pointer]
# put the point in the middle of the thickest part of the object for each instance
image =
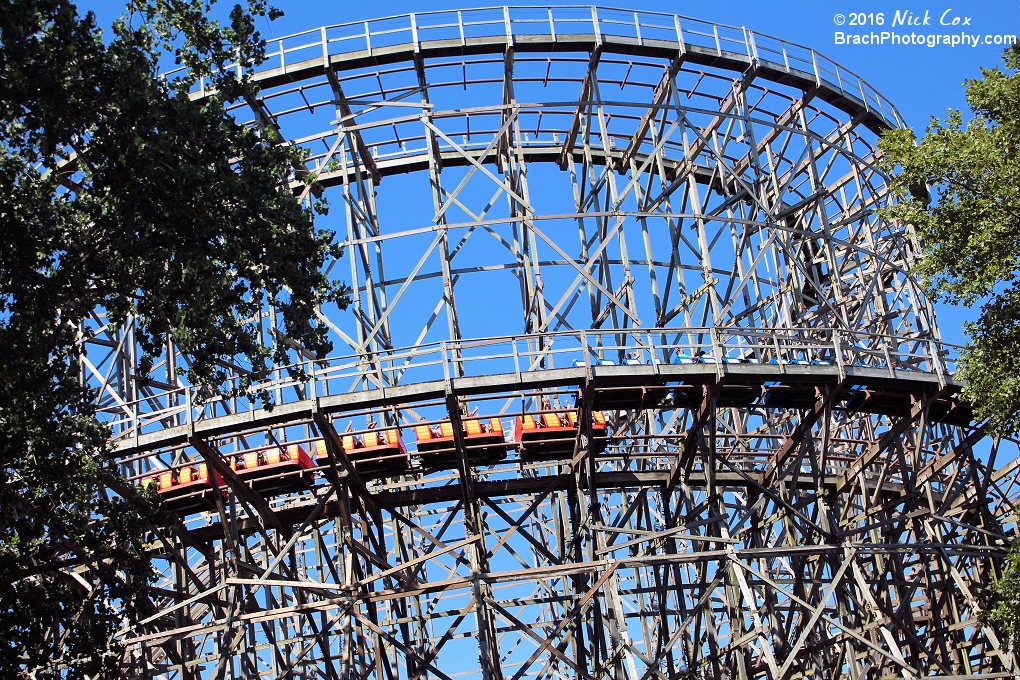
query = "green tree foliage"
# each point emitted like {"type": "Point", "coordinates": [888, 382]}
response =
{"type": "Point", "coordinates": [1004, 610]}
{"type": "Point", "coordinates": [970, 232]}
{"type": "Point", "coordinates": [121, 193]}
{"type": "Point", "coordinates": [970, 235]}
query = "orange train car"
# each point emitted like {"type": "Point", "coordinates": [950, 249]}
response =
{"type": "Point", "coordinates": [376, 453]}
{"type": "Point", "coordinates": [187, 488]}
{"type": "Point", "coordinates": [274, 470]}
{"type": "Point", "coordinates": [483, 439]}
{"type": "Point", "coordinates": [551, 435]}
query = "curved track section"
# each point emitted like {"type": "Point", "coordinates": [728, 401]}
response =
{"type": "Point", "coordinates": [635, 384]}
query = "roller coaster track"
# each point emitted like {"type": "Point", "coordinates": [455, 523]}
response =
{"type": "Point", "coordinates": [658, 238]}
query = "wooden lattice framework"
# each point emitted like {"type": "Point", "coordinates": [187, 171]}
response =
{"type": "Point", "coordinates": [667, 221]}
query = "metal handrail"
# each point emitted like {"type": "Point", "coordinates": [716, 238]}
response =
{"type": "Point", "coordinates": [508, 22]}
{"type": "Point", "coordinates": [478, 357]}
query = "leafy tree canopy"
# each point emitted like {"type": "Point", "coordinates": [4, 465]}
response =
{"type": "Point", "coordinates": [1004, 610]}
{"type": "Point", "coordinates": [970, 235]}
{"type": "Point", "coordinates": [123, 194]}
{"type": "Point", "coordinates": [970, 231]}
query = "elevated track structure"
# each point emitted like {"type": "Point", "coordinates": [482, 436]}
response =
{"type": "Point", "coordinates": [636, 383]}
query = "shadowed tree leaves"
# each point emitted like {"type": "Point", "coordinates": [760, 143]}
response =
{"type": "Point", "coordinates": [124, 194]}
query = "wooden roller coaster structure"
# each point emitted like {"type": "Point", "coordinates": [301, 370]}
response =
{"type": "Point", "coordinates": [635, 385]}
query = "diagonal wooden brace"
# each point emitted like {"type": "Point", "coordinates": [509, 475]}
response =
{"type": "Point", "coordinates": [215, 460]}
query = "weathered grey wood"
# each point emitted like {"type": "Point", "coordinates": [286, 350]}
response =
{"type": "Point", "coordinates": [670, 224]}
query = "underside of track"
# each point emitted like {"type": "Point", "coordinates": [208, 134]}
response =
{"type": "Point", "coordinates": [635, 385]}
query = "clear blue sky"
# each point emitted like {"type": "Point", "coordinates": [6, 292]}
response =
{"type": "Point", "coordinates": [921, 81]}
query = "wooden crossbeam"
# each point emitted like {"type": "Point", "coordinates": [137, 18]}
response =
{"type": "Point", "coordinates": [686, 166]}
{"type": "Point", "coordinates": [565, 620]}
{"type": "Point", "coordinates": [936, 466]}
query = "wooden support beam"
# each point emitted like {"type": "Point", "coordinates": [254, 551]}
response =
{"type": "Point", "coordinates": [509, 102]}
{"type": "Point", "coordinates": [694, 437]}
{"type": "Point", "coordinates": [584, 103]}
{"type": "Point", "coordinates": [659, 97]}
{"type": "Point", "coordinates": [883, 442]}
{"type": "Point", "coordinates": [807, 421]}
{"type": "Point", "coordinates": [335, 451]}
{"type": "Point", "coordinates": [702, 140]}
{"type": "Point", "coordinates": [936, 466]}
{"type": "Point", "coordinates": [558, 629]}
{"type": "Point", "coordinates": [243, 491]}
{"type": "Point", "coordinates": [783, 122]}
{"type": "Point", "coordinates": [435, 156]}
{"type": "Point", "coordinates": [344, 114]}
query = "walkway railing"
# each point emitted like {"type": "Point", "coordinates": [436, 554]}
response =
{"type": "Point", "coordinates": [588, 349]}
{"type": "Point", "coordinates": [571, 22]}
